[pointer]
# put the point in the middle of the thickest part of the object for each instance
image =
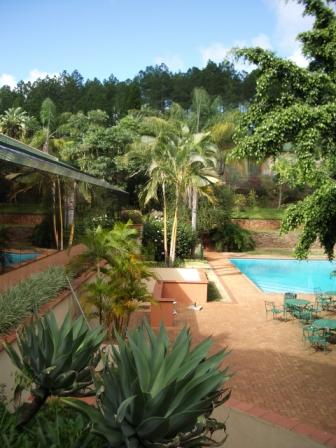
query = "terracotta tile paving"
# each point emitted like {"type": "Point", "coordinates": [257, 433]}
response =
{"type": "Point", "coordinates": [273, 368]}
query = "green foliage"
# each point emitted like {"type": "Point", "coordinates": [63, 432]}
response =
{"type": "Point", "coordinates": [213, 293]}
{"type": "Point", "coordinates": [133, 215]}
{"type": "Point", "coordinates": [240, 201]}
{"type": "Point", "coordinates": [230, 237]}
{"type": "Point", "coordinates": [251, 199]}
{"type": "Point", "coordinates": [57, 359]}
{"type": "Point", "coordinates": [27, 296]}
{"type": "Point", "coordinates": [152, 240]}
{"type": "Point", "coordinates": [212, 214]}
{"type": "Point", "coordinates": [293, 114]}
{"type": "Point", "coordinates": [55, 426]}
{"type": "Point", "coordinates": [167, 400]}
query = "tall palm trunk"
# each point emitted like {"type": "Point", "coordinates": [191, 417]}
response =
{"type": "Point", "coordinates": [53, 199]}
{"type": "Point", "coordinates": [172, 254]}
{"type": "Point", "coordinates": [194, 209]}
{"type": "Point", "coordinates": [70, 215]}
{"type": "Point", "coordinates": [60, 210]}
{"type": "Point", "coordinates": [165, 233]}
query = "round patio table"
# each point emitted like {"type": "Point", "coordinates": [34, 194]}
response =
{"type": "Point", "coordinates": [325, 323]}
{"type": "Point", "coordinates": [297, 302]}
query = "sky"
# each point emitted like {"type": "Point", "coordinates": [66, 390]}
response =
{"type": "Point", "coordinates": [122, 37]}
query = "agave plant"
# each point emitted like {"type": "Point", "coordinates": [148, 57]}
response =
{"type": "Point", "coordinates": [57, 360]}
{"type": "Point", "coordinates": [156, 395]}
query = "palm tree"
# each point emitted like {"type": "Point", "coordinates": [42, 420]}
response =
{"type": "Point", "coordinates": [120, 274]}
{"type": "Point", "coordinates": [12, 122]}
{"type": "Point", "coordinates": [204, 111]}
{"type": "Point", "coordinates": [174, 157]}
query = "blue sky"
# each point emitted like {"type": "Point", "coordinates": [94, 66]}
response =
{"type": "Point", "coordinates": [100, 37]}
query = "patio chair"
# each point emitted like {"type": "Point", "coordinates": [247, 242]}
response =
{"type": "Point", "coordinates": [304, 314]}
{"type": "Point", "coordinates": [316, 337]}
{"type": "Point", "coordinates": [277, 311]}
{"type": "Point", "coordinates": [322, 301]}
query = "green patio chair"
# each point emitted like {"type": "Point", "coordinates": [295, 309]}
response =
{"type": "Point", "coordinates": [277, 311]}
{"type": "Point", "coordinates": [316, 337]}
{"type": "Point", "coordinates": [304, 314]}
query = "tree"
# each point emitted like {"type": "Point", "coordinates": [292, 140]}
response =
{"type": "Point", "coordinates": [12, 122]}
{"type": "Point", "coordinates": [176, 158]}
{"type": "Point", "coordinates": [294, 112]}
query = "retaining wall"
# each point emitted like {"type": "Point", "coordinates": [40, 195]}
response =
{"type": "Point", "coordinates": [60, 258]}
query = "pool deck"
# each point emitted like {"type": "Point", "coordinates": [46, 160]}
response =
{"type": "Point", "coordinates": [274, 370]}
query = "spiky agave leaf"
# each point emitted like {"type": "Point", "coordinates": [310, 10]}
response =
{"type": "Point", "coordinates": [159, 395]}
{"type": "Point", "coordinates": [57, 359]}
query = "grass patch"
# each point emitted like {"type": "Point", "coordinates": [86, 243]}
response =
{"type": "Point", "coordinates": [213, 293]}
{"type": "Point", "coordinates": [259, 213]}
{"type": "Point", "coordinates": [27, 296]}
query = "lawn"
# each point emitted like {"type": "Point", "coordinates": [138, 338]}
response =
{"type": "Point", "coordinates": [260, 213]}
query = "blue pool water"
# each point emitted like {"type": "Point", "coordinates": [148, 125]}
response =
{"type": "Point", "coordinates": [288, 275]}
{"type": "Point", "coordinates": [17, 258]}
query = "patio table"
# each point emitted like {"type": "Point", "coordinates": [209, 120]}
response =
{"type": "Point", "coordinates": [325, 323]}
{"type": "Point", "coordinates": [297, 302]}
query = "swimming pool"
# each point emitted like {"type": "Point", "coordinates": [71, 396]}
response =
{"type": "Point", "coordinates": [12, 258]}
{"type": "Point", "coordinates": [272, 275]}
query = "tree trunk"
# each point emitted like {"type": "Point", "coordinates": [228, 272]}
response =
{"type": "Point", "coordinates": [60, 210]}
{"type": "Point", "coordinates": [71, 206]}
{"type": "Point", "coordinates": [165, 233]}
{"type": "Point", "coordinates": [53, 196]}
{"type": "Point", "coordinates": [280, 195]}
{"type": "Point", "coordinates": [194, 209]}
{"type": "Point", "coordinates": [172, 253]}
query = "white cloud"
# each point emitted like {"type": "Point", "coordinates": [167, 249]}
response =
{"type": "Point", "coordinates": [262, 41]}
{"type": "Point", "coordinates": [215, 52]}
{"type": "Point", "coordinates": [173, 61]}
{"type": "Point", "coordinates": [7, 80]}
{"type": "Point", "coordinates": [35, 74]}
{"type": "Point", "coordinates": [290, 21]}
{"type": "Point", "coordinates": [299, 58]}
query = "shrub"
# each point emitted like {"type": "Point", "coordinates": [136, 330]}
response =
{"type": "Point", "coordinates": [152, 240]}
{"type": "Point", "coordinates": [58, 360]}
{"type": "Point", "coordinates": [213, 214]}
{"type": "Point", "coordinates": [240, 201]}
{"type": "Point", "coordinates": [231, 237]}
{"type": "Point", "coordinates": [134, 215]}
{"type": "Point", "coordinates": [251, 199]}
{"type": "Point", "coordinates": [24, 298]}
{"type": "Point", "coordinates": [55, 426]}
{"type": "Point", "coordinates": [157, 394]}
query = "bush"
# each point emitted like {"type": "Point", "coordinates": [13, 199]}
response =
{"type": "Point", "coordinates": [240, 201]}
{"type": "Point", "coordinates": [55, 426]}
{"type": "Point", "coordinates": [231, 237]}
{"type": "Point", "coordinates": [211, 215]}
{"type": "Point", "coordinates": [152, 240]}
{"type": "Point", "coordinates": [133, 215]}
{"type": "Point", "coordinates": [24, 298]}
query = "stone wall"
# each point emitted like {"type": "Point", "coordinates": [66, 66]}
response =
{"type": "Point", "coordinates": [23, 220]}
{"type": "Point", "coordinates": [258, 224]}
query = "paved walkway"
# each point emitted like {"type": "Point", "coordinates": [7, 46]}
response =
{"type": "Point", "coordinates": [273, 369]}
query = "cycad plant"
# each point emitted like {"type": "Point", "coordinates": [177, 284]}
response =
{"type": "Point", "coordinates": [56, 360]}
{"type": "Point", "coordinates": [154, 394]}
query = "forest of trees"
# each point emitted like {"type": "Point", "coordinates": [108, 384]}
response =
{"type": "Point", "coordinates": [155, 87]}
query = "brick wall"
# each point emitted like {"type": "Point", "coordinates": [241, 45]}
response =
{"type": "Point", "coordinates": [23, 220]}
